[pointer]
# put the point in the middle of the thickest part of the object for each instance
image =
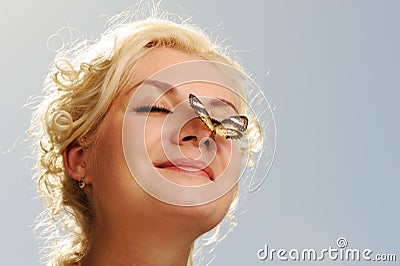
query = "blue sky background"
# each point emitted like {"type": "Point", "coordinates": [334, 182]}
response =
{"type": "Point", "coordinates": [329, 68]}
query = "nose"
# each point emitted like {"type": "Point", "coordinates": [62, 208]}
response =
{"type": "Point", "coordinates": [195, 132]}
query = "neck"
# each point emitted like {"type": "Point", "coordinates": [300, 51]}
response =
{"type": "Point", "coordinates": [151, 244]}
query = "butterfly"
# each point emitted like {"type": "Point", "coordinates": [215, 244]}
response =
{"type": "Point", "coordinates": [229, 128]}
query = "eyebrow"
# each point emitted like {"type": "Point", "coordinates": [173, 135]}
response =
{"type": "Point", "coordinates": [161, 85]}
{"type": "Point", "coordinates": [218, 101]}
{"type": "Point", "coordinates": [170, 89]}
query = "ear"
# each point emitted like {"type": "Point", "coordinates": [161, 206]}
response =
{"type": "Point", "coordinates": [74, 162]}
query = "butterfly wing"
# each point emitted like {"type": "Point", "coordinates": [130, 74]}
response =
{"type": "Point", "coordinates": [201, 111]}
{"type": "Point", "coordinates": [237, 122]}
{"type": "Point", "coordinates": [228, 133]}
{"type": "Point", "coordinates": [232, 127]}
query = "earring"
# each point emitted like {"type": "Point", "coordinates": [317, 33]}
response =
{"type": "Point", "coordinates": [81, 183]}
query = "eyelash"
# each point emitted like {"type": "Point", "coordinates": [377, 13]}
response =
{"type": "Point", "coordinates": [148, 109]}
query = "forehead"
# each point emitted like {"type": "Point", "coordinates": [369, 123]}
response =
{"type": "Point", "coordinates": [187, 73]}
{"type": "Point", "coordinates": [159, 59]}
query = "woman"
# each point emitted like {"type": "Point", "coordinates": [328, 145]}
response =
{"type": "Point", "coordinates": [108, 151]}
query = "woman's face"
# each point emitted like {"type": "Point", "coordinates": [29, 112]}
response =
{"type": "Point", "coordinates": [151, 135]}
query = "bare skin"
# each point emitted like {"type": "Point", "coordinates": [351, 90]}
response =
{"type": "Point", "coordinates": [131, 227]}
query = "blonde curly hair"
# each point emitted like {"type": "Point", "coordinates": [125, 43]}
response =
{"type": "Point", "coordinates": [78, 91]}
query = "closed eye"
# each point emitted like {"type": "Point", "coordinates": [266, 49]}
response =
{"type": "Point", "coordinates": [153, 109]}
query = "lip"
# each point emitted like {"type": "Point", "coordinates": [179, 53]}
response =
{"type": "Point", "coordinates": [189, 166]}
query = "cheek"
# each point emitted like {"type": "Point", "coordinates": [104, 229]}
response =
{"type": "Point", "coordinates": [228, 152]}
{"type": "Point", "coordinates": [133, 136]}
{"type": "Point", "coordinates": [141, 140]}
{"type": "Point", "coordinates": [140, 136]}
{"type": "Point", "coordinates": [106, 153]}
{"type": "Point", "coordinates": [108, 169]}
{"type": "Point", "coordinates": [152, 136]}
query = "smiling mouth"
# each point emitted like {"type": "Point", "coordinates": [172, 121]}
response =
{"type": "Point", "coordinates": [187, 166]}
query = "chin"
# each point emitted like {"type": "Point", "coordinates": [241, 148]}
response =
{"type": "Point", "coordinates": [202, 217]}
